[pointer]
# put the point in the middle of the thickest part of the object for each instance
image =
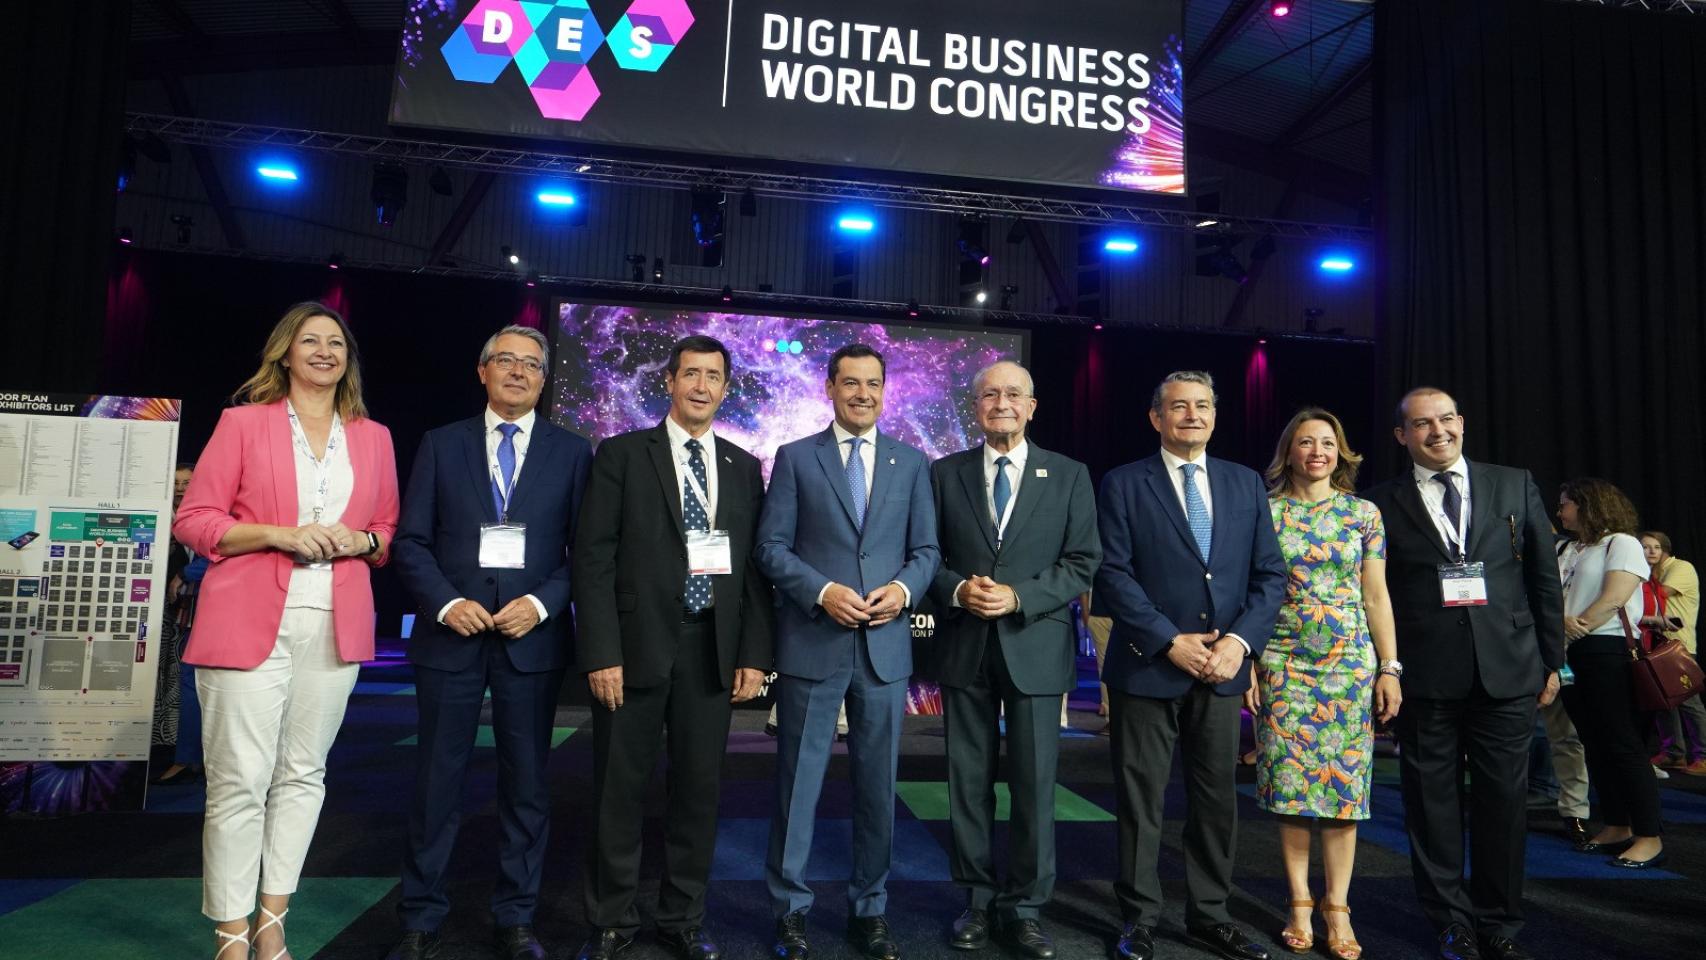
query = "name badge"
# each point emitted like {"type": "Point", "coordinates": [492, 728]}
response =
{"type": "Point", "coordinates": [1462, 585]}
{"type": "Point", "coordinates": [709, 553]}
{"type": "Point", "coordinates": [503, 546]}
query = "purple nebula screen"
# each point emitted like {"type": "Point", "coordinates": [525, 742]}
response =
{"type": "Point", "coordinates": [609, 375]}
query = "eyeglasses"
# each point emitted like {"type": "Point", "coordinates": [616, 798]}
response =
{"type": "Point", "coordinates": [992, 395]}
{"type": "Point", "coordinates": [509, 361]}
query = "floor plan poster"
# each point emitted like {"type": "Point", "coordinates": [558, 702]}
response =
{"type": "Point", "coordinates": [85, 517]}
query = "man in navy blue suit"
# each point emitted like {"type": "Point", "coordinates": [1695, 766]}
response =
{"type": "Point", "coordinates": [1193, 578]}
{"type": "Point", "coordinates": [483, 546]}
{"type": "Point", "coordinates": [848, 537]}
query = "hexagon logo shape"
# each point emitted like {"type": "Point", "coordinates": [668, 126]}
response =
{"type": "Point", "coordinates": [487, 40]}
{"type": "Point", "coordinates": [564, 91]}
{"type": "Point", "coordinates": [648, 33]}
{"type": "Point", "coordinates": [564, 32]}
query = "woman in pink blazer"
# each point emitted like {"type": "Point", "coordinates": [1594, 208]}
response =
{"type": "Point", "coordinates": [293, 501]}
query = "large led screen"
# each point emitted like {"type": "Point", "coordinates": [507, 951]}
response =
{"type": "Point", "coordinates": [1084, 94]}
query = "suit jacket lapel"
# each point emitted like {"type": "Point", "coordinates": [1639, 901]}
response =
{"type": "Point", "coordinates": [1483, 490]}
{"type": "Point", "coordinates": [1030, 491]}
{"type": "Point", "coordinates": [663, 464]}
{"type": "Point", "coordinates": [1161, 486]}
{"type": "Point", "coordinates": [829, 457]}
{"type": "Point", "coordinates": [882, 475]}
{"type": "Point", "coordinates": [479, 474]}
{"type": "Point", "coordinates": [1410, 499]}
{"type": "Point", "coordinates": [1220, 488]}
{"type": "Point", "coordinates": [281, 443]}
{"type": "Point", "coordinates": [731, 491]}
{"type": "Point", "coordinates": [971, 479]}
{"type": "Point", "coordinates": [539, 449]}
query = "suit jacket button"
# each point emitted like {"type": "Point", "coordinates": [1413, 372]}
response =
{"type": "Point", "coordinates": [490, 581]}
{"type": "Point", "coordinates": [1208, 576]}
{"type": "Point", "coordinates": [864, 556]}
{"type": "Point", "coordinates": [1202, 616]}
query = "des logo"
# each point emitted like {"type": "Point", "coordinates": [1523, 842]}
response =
{"type": "Point", "coordinates": [552, 43]}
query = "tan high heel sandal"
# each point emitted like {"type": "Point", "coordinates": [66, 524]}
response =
{"type": "Point", "coordinates": [1342, 949]}
{"type": "Point", "coordinates": [1299, 941]}
{"type": "Point", "coordinates": [227, 939]}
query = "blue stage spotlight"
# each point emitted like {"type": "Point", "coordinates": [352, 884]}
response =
{"type": "Point", "coordinates": [277, 171]}
{"type": "Point", "coordinates": [556, 197]}
{"type": "Point", "coordinates": [1337, 263]}
{"type": "Point", "coordinates": [856, 223]}
{"type": "Point", "coordinates": [1125, 246]}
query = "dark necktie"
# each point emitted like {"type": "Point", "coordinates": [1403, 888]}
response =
{"type": "Point", "coordinates": [1453, 511]}
{"type": "Point", "coordinates": [694, 517]}
{"type": "Point", "coordinates": [1003, 492]}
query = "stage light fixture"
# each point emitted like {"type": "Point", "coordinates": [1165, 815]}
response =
{"type": "Point", "coordinates": [748, 203]}
{"type": "Point", "coordinates": [657, 270]}
{"type": "Point", "coordinates": [1008, 290]}
{"type": "Point", "coordinates": [124, 236]}
{"type": "Point", "coordinates": [912, 308]}
{"type": "Point", "coordinates": [185, 224]}
{"type": "Point", "coordinates": [533, 278]}
{"type": "Point", "coordinates": [1096, 327]}
{"type": "Point", "coordinates": [509, 255]}
{"type": "Point", "coordinates": [1280, 8]}
{"type": "Point", "coordinates": [970, 242]}
{"type": "Point", "coordinates": [855, 223]}
{"type": "Point", "coordinates": [390, 192]}
{"type": "Point", "coordinates": [1122, 245]}
{"type": "Point", "coordinates": [277, 171]}
{"type": "Point", "coordinates": [1206, 223]}
{"type": "Point", "coordinates": [1016, 233]}
{"type": "Point", "coordinates": [582, 167]}
{"type": "Point", "coordinates": [981, 296]}
{"type": "Point", "coordinates": [706, 217]}
{"type": "Point", "coordinates": [1338, 263]}
{"type": "Point", "coordinates": [636, 267]}
{"type": "Point", "coordinates": [439, 181]}
{"type": "Point", "coordinates": [335, 261]}
{"type": "Point", "coordinates": [555, 197]}
{"type": "Point", "coordinates": [728, 294]}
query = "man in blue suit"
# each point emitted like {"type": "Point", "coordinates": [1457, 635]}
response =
{"type": "Point", "coordinates": [483, 548]}
{"type": "Point", "coordinates": [848, 537]}
{"type": "Point", "coordinates": [1193, 578]}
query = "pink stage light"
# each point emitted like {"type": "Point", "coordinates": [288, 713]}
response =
{"type": "Point", "coordinates": [1280, 8]}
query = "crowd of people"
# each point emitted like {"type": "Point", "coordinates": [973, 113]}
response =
{"type": "Point", "coordinates": [1443, 603]}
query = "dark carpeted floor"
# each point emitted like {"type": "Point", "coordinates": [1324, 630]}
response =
{"type": "Point", "coordinates": [124, 885]}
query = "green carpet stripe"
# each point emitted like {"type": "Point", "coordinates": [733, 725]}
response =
{"type": "Point", "coordinates": [483, 737]}
{"type": "Point", "coordinates": [928, 800]}
{"type": "Point", "coordinates": [93, 917]}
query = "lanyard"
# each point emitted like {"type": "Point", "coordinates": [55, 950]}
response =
{"type": "Point", "coordinates": [699, 492]}
{"type": "Point", "coordinates": [322, 466]}
{"type": "Point", "coordinates": [1461, 522]}
{"type": "Point", "coordinates": [502, 491]}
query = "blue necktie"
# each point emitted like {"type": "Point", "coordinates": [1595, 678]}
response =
{"type": "Point", "coordinates": [856, 481]}
{"type": "Point", "coordinates": [1003, 492]}
{"type": "Point", "coordinates": [1196, 512]}
{"type": "Point", "coordinates": [693, 515]}
{"type": "Point", "coordinates": [506, 466]}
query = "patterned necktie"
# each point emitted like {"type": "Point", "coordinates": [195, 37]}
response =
{"type": "Point", "coordinates": [1196, 512]}
{"type": "Point", "coordinates": [1003, 492]}
{"type": "Point", "coordinates": [506, 467]}
{"type": "Point", "coordinates": [1453, 510]}
{"type": "Point", "coordinates": [698, 595]}
{"type": "Point", "coordinates": [856, 481]}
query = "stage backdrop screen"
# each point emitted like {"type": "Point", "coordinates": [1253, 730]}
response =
{"type": "Point", "coordinates": [1079, 94]}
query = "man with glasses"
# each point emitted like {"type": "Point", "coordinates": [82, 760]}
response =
{"type": "Point", "coordinates": [483, 546]}
{"type": "Point", "coordinates": [1018, 530]}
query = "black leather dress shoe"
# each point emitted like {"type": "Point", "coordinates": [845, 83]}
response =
{"type": "Point", "coordinates": [1029, 940]}
{"type": "Point", "coordinates": [690, 944]}
{"type": "Point", "coordinates": [1613, 848]}
{"type": "Point", "coordinates": [1504, 948]}
{"type": "Point", "coordinates": [971, 930]}
{"type": "Point", "coordinates": [1576, 830]}
{"type": "Point", "coordinates": [1656, 860]}
{"type": "Point", "coordinates": [415, 945]}
{"type": "Point", "coordinates": [871, 936]}
{"type": "Point", "coordinates": [518, 943]}
{"type": "Point", "coordinates": [602, 945]}
{"type": "Point", "coordinates": [791, 938]}
{"type": "Point", "coordinates": [1137, 942]}
{"type": "Point", "coordinates": [1228, 941]}
{"type": "Point", "coordinates": [1457, 943]}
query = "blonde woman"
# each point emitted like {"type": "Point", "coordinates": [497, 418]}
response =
{"type": "Point", "coordinates": [1327, 675]}
{"type": "Point", "coordinates": [293, 502]}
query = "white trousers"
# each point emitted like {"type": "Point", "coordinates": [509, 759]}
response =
{"type": "Point", "coordinates": [265, 735]}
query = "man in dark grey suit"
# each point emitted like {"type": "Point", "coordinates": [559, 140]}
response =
{"type": "Point", "coordinates": [1193, 577]}
{"type": "Point", "coordinates": [1017, 526]}
{"type": "Point", "coordinates": [1480, 622]}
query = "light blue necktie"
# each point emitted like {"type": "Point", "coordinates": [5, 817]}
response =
{"type": "Point", "coordinates": [693, 516]}
{"type": "Point", "coordinates": [856, 481]}
{"type": "Point", "coordinates": [506, 466]}
{"type": "Point", "coordinates": [1003, 492]}
{"type": "Point", "coordinates": [1196, 512]}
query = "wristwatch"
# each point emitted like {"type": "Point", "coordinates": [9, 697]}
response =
{"type": "Point", "coordinates": [1392, 668]}
{"type": "Point", "coordinates": [372, 541]}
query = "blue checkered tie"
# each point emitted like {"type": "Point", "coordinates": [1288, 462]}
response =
{"type": "Point", "coordinates": [1196, 512]}
{"type": "Point", "coordinates": [856, 481]}
{"type": "Point", "coordinates": [698, 595]}
{"type": "Point", "coordinates": [506, 467]}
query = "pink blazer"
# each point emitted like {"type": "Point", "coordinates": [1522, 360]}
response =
{"type": "Point", "coordinates": [247, 475]}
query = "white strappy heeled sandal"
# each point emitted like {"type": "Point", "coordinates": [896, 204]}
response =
{"type": "Point", "coordinates": [273, 920]}
{"type": "Point", "coordinates": [227, 939]}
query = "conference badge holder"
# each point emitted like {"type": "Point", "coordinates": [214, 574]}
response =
{"type": "Point", "coordinates": [503, 546]}
{"type": "Point", "coordinates": [1463, 584]}
{"type": "Point", "coordinates": [708, 553]}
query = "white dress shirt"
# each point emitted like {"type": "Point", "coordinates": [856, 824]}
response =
{"type": "Point", "coordinates": [494, 436]}
{"type": "Point", "coordinates": [1015, 473]}
{"type": "Point", "coordinates": [868, 455]}
{"type": "Point", "coordinates": [683, 457]}
{"type": "Point", "coordinates": [1174, 462]}
{"type": "Point", "coordinates": [311, 584]}
{"type": "Point", "coordinates": [1433, 499]}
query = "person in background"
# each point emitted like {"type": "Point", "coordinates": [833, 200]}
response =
{"type": "Point", "coordinates": [1683, 730]}
{"type": "Point", "coordinates": [1329, 673]}
{"type": "Point", "coordinates": [1602, 570]}
{"type": "Point", "coordinates": [1099, 629]}
{"type": "Point", "coordinates": [176, 704]}
{"type": "Point", "coordinates": [293, 502]}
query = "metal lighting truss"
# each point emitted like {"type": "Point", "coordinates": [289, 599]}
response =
{"type": "Point", "coordinates": [1658, 6]}
{"type": "Point", "coordinates": [216, 133]}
